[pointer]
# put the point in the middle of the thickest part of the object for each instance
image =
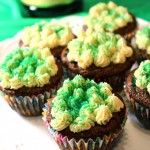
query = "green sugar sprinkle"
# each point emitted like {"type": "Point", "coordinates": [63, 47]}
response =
{"type": "Point", "coordinates": [80, 103]}
{"type": "Point", "coordinates": [142, 75]}
{"type": "Point", "coordinates": [27, 67]}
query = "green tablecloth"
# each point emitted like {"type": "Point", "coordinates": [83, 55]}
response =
{"type": "Point", "coordinates": [11, 20]}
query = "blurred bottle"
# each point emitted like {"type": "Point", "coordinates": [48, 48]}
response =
{"type": "Point", "coordinates": [49, 8]}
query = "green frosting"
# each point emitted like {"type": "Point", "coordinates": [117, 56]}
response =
{"type": "Point", "coordinates": [142, 39]}
{"type": "Point", "coordinates": [81, 103]}
{"type": "Point", "coordinates": [46, 34]}
{"type": "Point", "coordinates": [142, 76]}
{"type": "Point", "coordinates": [99, 48]}
{"type": "Point", "coordinates": [109, 17]}
{"type": "Point", "coordinates": [27, 67]}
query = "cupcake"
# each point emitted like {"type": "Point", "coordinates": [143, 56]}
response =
{"type": "Point", "coordinates": [44, 34]}
{"type": "Point", "coordinates": [27, 78]}
{"type": "Point", "coordinates": [102, 56]}
{"type": "Point", "coordinates": [112, 18]}
{"type": "Point", "coordinates": [138, 92]}
{"type": "Point", "coordinates": [85, 115]}
{"type": "Point", "coordinates": [142, 42]}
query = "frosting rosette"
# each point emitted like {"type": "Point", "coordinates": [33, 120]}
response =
{"type": "Point", "coordinates": [28, 67]}
{"type": "Point", "coordinates": [98, 48]}
{"type": "Point", "coordinates": [81, 103]}
{"type": "Point", "coordinates": [46, 34]}
{"type": "Point", "coordinates": [142, 39]}
{"type": "Point", "coordinates": [108, 17]}
{"type": "Point", "coordinates": [142, 76]}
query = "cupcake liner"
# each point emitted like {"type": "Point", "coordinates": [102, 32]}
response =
{"type": "Point", "coordinates": [64, 143]}
{"type": "Point", "coordinates": [142, 113]}
{"type": "Point", "coordinates": [30, 105]}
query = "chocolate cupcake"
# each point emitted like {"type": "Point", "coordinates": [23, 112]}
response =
{"type": "Point", "coordinates": [101, 56]}
{"type": "Point", "coordinates": [138, 92]}
{"type": "Point", "coordinates": [142, 41]}
{"type": "Point", "coordinates": [27, 78]}
{"type": "Point", "coordinates": [112, 18]}
{"type": "Point", "coordinates": [85, 115]}
{"type": "Point", "coordinates": [44, 34]}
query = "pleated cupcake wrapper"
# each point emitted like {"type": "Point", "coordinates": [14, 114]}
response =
{"type": "Point", "coordinates": [30, 105]}
{"type": "Point", "coordinates": [142, 113]}
{"type": "Point", "coordinates": [105, 143]}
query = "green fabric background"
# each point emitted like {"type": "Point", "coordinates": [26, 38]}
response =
{"type": "Point", "coordinates": [11, 20]}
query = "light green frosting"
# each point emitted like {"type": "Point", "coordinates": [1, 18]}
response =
{"type": "Point", "coordinates": [27, 67]}
{"type": "Point", "coordinates": [142, 39]}
{"type": "Point", "coordinates": [47, 34]}
{"type": "Point", "coordinates": [142, 75]}
{"type": "Point", "coordinates": [108, 17]}
{"type": "Point", "coordinates": [98, 48]}
{"type": "Point", "coordinates": [81, 103]}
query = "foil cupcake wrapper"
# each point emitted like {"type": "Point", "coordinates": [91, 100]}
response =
{"type": "Point", "coordinates": [105, 143]}
{"type": "Point", "coordinates": [142, 113]}
{"type": "Point", "coordinates": [30, 105]}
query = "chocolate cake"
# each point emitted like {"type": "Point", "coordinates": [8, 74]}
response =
{"type": "Point", "coordinates": [127, 31]}
{"type": "Point", "coordinates": [141, 55]}
{"type": "Point", "coordinates": [139, 98]}
{"type": "Point", "coordinates": [112, 126]}
{"type": "Point", "coordinates": [111, 17]}
{"type": "Point", "coordinates": [26, 91]}
{"type": "Point", "coordinates": [28, 77]}
{"type": "Point", "coordinates": [83, 111]}
{"type": "Point", "coordinates": [97, 72]}
{"type": "Point", "coordinates": [53, 35]}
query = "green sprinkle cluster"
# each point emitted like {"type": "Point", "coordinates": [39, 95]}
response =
{"type": "Point", "coordinates": [142, 75]}
{"type": "Point", "coordinates": [80, 103]}
{"type": "Point", "coordinates": [109, 17]}
{"type": "Point", "coordinates": [27, 67]}
{"type": "Point", "coordinates": [142, 39]}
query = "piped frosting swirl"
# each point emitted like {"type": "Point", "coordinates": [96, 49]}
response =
{"type": "Point", "coordinates": [46, 34]}
{"type": "Point", "coordinates": [98, 48]}
{"type": "Point", "coordinates": [27, 67]}
{"type": "Point", "coordinates": [142, 76]}
{"type": "Point", "coordinates": [108, 17]}
{"type": "Point", "coordinates": [142, 39]}
{"type": "Point", "coordinates": [81, 103]}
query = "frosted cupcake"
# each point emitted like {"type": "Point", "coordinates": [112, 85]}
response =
{"type": "Point", "coordinates": [100, 56]}
{"type": "Point", "coordinates": [142, 41]}
{"type": "Point", "coordinates": [85, 115]}
{"type": "Point", "coordinates": [44, 34]}
{"type": "Point", "coordinates": [138, 91]}
{"type": "Point", "coordinates": [112, 18]}
{"type": "Point", "coordinates": [27, 78]}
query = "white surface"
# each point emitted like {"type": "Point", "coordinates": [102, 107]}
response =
{"type": "Point", "coordinates": [29, 133]}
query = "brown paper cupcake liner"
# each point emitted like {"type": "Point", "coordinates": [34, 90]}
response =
{"type": "Point", "coordinates": [30, 105]}
{"type": "Point", "coordinates": [105, 143]}
{"type": "Point", "coordinates": [142, 113]}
